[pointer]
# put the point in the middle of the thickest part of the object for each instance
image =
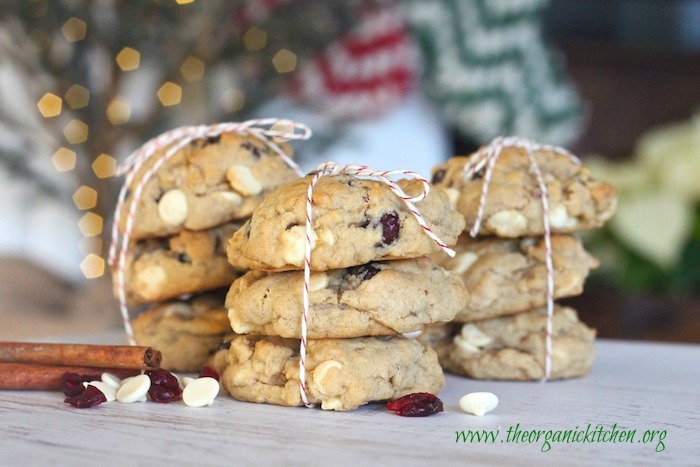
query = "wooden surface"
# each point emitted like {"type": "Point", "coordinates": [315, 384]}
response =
{"type": "Point", "coordinates": [635, 385]}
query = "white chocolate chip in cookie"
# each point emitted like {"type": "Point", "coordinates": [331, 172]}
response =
{"type": "Point", "coordinates": [461, 264]}
{"type": "Point", "coordinates": [326, 237]}
{"type": "Point", "coordinates": [181, 309]}
{"type": "Point", "coordinates": [322, 372]}
{"type": "Point", "coordinates": [507, 223]}
{"type": "Point", "coordinates": [452, 196]}
{"type": "Point", "coordinates": [230, 197]}
{"type": "Point", "coordinates": [471, 339]}
{"type": "Point", "coordinates": [238, 326]}
{"type": "Point", "coordinates": [243, 181]}
{"type": "Point", "coordinates": [293, 243]}
{"type": "Point", "coordinates": [318, 281]}
{"type": "Point", "coordinates": [559, 218]}
{"type": "Point", "coordinates": [172, 207]}
{"type": "Point", "coordinates": [149, 281]}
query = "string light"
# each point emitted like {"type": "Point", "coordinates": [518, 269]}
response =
{"type": "Point", "coordinates": [90, 224]}
{"type": "Point", "coordinates": [104, 166]}
{"type": "Point", "coordinates": [93, 266]}
{"type": "Point", "coordinates": [118, 111]}
{"type": "Point", "coordinates": [170, 94]}
{"type": "Point", "coordinates": [192, 69]}
{"type": "Point", "coordinates": [74, 30]}
{"type": "Point", "coordinates": [76, 132]}
{"type": "Point", "coordinates": [77, 96]}
{"type": "Point", "coordinates": [284, 61]}
{"type": "Point", "coordinates": [128, 59]}
{"type": "Point", "coordinates": [85, 198]}
{"type": "Point", "coordinates": [50, 105]}
{"type": "Point", "coordinates": [64, 160]}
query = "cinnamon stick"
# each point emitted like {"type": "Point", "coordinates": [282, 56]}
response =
{"type": "Point", "coordinates": [34, 376]}
{"type": "Point", "coordinates": [82, 355]}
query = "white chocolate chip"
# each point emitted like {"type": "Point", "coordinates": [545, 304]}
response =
{"type": "Point", "coordinates": [570, 314]}
{"type": "Point", "coordinates": [318, 281]}
{"type": "Point", "coordinates": [472, 334]}
{"type": "Point", "coordinates": [109, 391]}
{"type": "Point", "coordinates": [238, 326]}
{"type": "Point", "coordinates": [464, 345]}
{"type": "Point", "coordinates": [135, 389]}
{"type": "Point", "coordinates": [322, 369]}
{"type": "Point", "coordinates": [243, 181]}
{"type": "Point", "coordinates": [507, 223]}
{"type": "Point", "coordinates": [478, 403]}
{"type": "Point", "coordinates": [559, 218]}
{"type": "Point", "coordinates": [200, 392]}
{"type": "Point", "coordinates": [172, 207]}
{"type": "Point", "coordinates": [109, 378]}
{"type": "Point", "coordinates": [333, 403]}
{"type": "Point", "coordinates": [293, 242]}
{"type": "Point", "coordinates": [230, 197]}
{"type": "Point", "coordinates": [463, 262]}
{"type": "Point", "coordinates": [149, 281]}
{"type": "Point", "coordinates": [412, 334]}
{"type": "Point", "coordinates": [181, 309]}
{"type": "Point", "coordinates": [452, 196]}
{"type": "Point", "coordinates": [186, 380]}
{"type": "Point", "coordinates": [326, 237]}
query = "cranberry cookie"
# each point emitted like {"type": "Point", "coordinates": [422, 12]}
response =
{"type": "Point", "coordinates": [513, 206]}
{"type": "Point", "coordinates": [186, 332]}
{"type": "Point", "coordinates": [355, 221]}
{"type": "Point", "coordinates": [380, 298]}
{"type": "Point", "coordinates": [206, 183]}
{"type": "Point", "coordinates": [508, 276]}
{"type": "Point", "coordinates": [162, 268]}
{"type": "Point", "coordinates": [342, 374]}
{"type": "Point", "coordinates": [513, 347]}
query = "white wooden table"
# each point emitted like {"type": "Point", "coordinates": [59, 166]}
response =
{"type": "Point", "coordinates": [638, 386]}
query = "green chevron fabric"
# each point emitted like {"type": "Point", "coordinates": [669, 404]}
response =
{"type": "Point", "coordinates": [487, 65]}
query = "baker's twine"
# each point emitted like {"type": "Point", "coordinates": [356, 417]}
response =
{"type": "Point", "coordinates": [264, 129]}
{"type": "Point", "coordinates": [485, 158]}
{"type": "Point", "coordinates": [330, 169]}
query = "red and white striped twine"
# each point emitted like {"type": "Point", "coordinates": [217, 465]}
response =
{"type": "Point", "coordinates": [177, 139]}
{"type": "Point", "coordinates": [487, 157]}
{"type": "Point", "coordinates": [330, 169]}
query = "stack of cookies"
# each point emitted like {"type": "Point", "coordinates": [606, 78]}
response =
{"type": "Point", "coordinates": [371, 281]}
{"type": "Point", "coordinates": [501, 332]}
{"type": "Point", "coordinates": [187, 212]}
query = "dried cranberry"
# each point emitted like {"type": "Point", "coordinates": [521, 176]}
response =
{"type": "Point", "coordinates": [223, 345]}
{"type": "Point", "coordinates": [390, 227]}
{"type": "Point", "coordinates": [183, 258]}
{"type": "Point", "coordinates": [90, 397]}
{"type": "Point", "coordinates": [212, 140]}
{"type": "Point", "coordinates": [164, 395]}
{"type": "Point", "coordinates": [72, 383]}
{"type": "Point", "coordinates": [364, 272]}
{"type": "Point", "coordinates": [418, 404]}
{"type": "Point", "coordinates": [163, 378]}
{"type": "Point", "coordinates": [252, 148]}
{"type": "Point", "coordinates": [208, 371]}
{"type": "Point", "coordinates": [479, 174]}
{"type": "Point", "coordinates": [439, 176]}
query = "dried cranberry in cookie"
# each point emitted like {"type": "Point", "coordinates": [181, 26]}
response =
{"type": "Point", "coordinates": [513, 206]}
{"type": "Point", "coordinates": [380, 298]}
{"type": "Point", "coordinates": [206, 183]}
{"type": "Point", "coordinates": [355, 221]}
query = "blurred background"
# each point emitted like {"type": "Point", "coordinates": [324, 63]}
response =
{"type": "Point", "coordinates": [387, 83]}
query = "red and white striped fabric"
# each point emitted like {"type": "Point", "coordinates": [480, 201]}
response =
{"type": "Point", "coordinates": [364, 73]}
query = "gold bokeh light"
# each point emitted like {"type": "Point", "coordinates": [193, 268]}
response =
{"type": "Point", "coordinates": [74, 30]}
{"type": "Point", "coordinates": [192, 69]}
{"type": "Point", "coordinates": [104, 166]}
{"type": "Point", "coordinates": [128, 59]}
{"type": "Point", "coordinates": [170, 94]}
{"type": "Point", "coordinates": [284, 61]}
{"type": "Point", "coordinates": [90, 224]}
{"type": "Point", "coordinates": [50, 105]}
{"type": "Point", "coordinates": [85, 198]}
{"type": "Point", "coordinates": [118, 111]}
{"type": "Point", "coordinates": [63, 160]}
{"type": "Point", "coordinates": [76, 132]}
{"type": "Point", "coordinates": [255, 39]}
{"type": "Point", "coordinates": [77, 96]}
{"type": "Point", "coordinates": [93, 266]}
{"type": "Point", "coordinates": [232, 100]}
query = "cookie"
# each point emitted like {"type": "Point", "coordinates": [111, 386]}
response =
{"type": "Point", "coordinates": [342, 374]}
{"type": "Point", "coordinates": [513, 205]}
{"type": "Point", "coordinates": [186, 332]}
{"type": "Point", "coordinates": [507, 276]}
{"type": "Point", "coordinates": [380, 298]}
{"type": "Point", "coordinates": [513, 347]}
{"type": "Point", "coordinates": [355, 221]}
{"type": "Point", "coordinates": [206, 183]}
{"type": "Point", "coordinates": [158, 269]}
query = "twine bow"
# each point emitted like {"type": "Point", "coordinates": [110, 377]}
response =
{"type": "Point", "coordinates": [330, 169]}
{"type": "Point", "coordinates": [177, 139]}
{"type": "Point", "coordinates": [487, 157]}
